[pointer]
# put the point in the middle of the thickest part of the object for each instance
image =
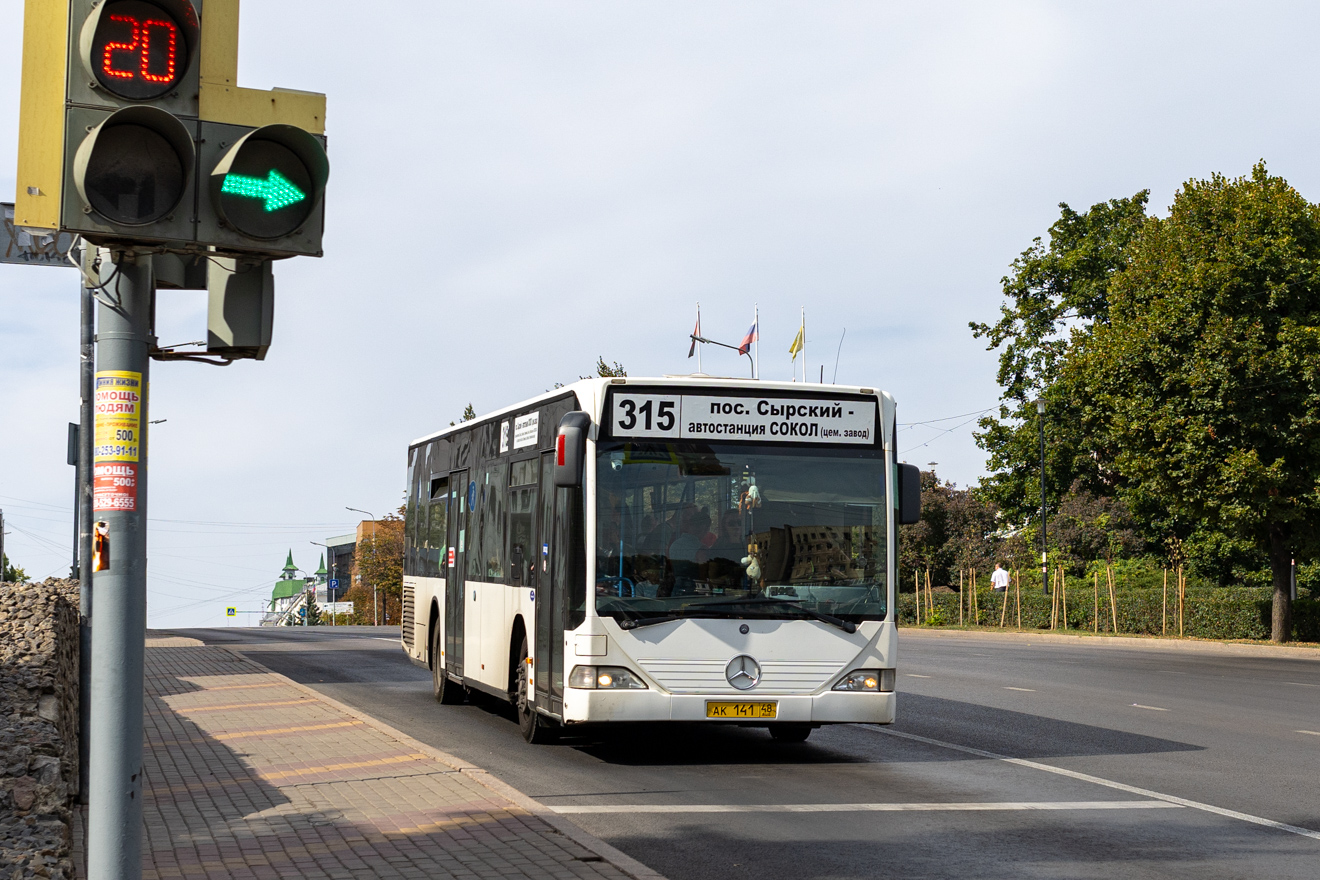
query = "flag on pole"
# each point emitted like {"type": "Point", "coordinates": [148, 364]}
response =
{"type": "Point", "coordinates": [751, 337]}
{"type": "Point", "coordinates": [797, 342]}
{"type": "Point", "coordinates": [696, 331]}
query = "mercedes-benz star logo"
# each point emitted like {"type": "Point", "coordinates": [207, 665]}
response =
{"type": "Point", "coordinates": [743, 672]}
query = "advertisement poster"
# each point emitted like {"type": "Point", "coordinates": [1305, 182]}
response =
{"type": "Point", "coordinates": [119, 402]}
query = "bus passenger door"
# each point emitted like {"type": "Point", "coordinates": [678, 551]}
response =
{"type": "Point", "coordinates": [455, 568]}
{"type": "Point", "coordinates": [549, 662]}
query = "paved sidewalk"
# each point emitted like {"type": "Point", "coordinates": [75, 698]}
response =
{"type": "Point", "coordinates": [249, 775]}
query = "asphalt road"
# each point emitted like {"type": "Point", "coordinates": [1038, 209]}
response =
{"type": "Point", "coordinates": [1009, 759]}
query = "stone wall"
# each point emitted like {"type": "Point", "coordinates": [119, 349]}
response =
{"type": "Point", "coordinates": [38, 727]}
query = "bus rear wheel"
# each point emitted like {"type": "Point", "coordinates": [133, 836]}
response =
{"type": "Point", "coordinates": [535, 728]}
{"type": "Point", "coordinates": [790, 733]}
{"type": "Point", "coordinates": [444, 690]}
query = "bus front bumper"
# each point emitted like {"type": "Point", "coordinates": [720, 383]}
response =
{"type": "Point", "coordinates": [832, 707]}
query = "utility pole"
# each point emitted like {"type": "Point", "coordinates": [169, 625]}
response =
{"type": "Point", "coordinates": [114, 834]}
{"type": "Point", "coordinates": [1044, 561]}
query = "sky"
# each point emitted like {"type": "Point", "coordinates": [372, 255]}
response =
{"type": "Point", "coordinates": [519, 187]}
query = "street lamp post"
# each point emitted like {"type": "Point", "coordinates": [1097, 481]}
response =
{"type": "Point", "coordinates": [375, 603]}
{"type": "Point", "coordinates": [1044, 563]}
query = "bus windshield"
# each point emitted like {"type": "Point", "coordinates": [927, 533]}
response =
{"type": "Point", "coordinates": [732, 530]}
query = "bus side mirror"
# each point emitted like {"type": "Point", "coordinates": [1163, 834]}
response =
{"type": "Point", "coordinates": [571, 449]}
{"type": "Point", "coordinates": [909, 494]}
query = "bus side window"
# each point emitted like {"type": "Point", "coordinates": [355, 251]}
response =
{"type": "Point", "coordinates": [522, 510]}
{"type": "Point", "coordinates": [494, 521]}
{"type": "Point", "coordinates": [435, 544]}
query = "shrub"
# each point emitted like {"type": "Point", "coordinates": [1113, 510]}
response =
{"type": "Point", "coordinates": [1208, 612]}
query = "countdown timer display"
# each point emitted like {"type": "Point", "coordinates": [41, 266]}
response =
{"type": "Point", "coordinates": [268, 191]}
{"type": "Point", "coordinates": [138, 50]}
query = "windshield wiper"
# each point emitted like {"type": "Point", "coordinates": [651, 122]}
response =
{"type": "Point", "coordinates": [845, 625]}
{"type": "Point", "coordinates": [634, 622]}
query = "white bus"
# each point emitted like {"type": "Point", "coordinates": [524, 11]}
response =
{"type": "Point", "coordinates": [675, 549]}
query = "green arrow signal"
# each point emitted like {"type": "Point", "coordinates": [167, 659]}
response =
{"type": "Point", "coordinates": [276, 189]}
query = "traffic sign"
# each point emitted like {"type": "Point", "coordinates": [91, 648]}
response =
{"type": "Point", "coordinates": [333, 583]}
{"type": "Point", "coordinates": [231, 612]}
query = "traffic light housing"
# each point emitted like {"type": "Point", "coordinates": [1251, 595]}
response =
{"type": "Point", "coordinates": [151, 140]}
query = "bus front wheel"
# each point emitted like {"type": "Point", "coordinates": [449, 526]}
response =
{"type": "Point", "coordinates": [535, 728]}
{"type": "Point", "coordinates": [444, 690]}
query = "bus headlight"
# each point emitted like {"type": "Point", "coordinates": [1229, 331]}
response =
{"type": "Point", "coordinates": [604, 678]}
{"type": "Point", "coordinates": [873, 680]}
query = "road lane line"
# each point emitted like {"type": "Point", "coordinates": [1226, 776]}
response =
{"type": "Point", "coordinates": [1096, 780]}
{"type": "Point", "coordinates": [1311, 732]}
{"type": "Point", "coordinates": [865, 808]}
{"type": "Point", "coordinates": [1152, 708]}
{"type": "Point", "coordinates": [1024, 690]}
{"type": "Point", "coordinates": [914, 675]}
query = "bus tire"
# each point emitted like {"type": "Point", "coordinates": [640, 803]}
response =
{"type": "Point", "coordinates": [790, 733]}
{"type": "Point", "coordinates": [535, 728]}
{"type": "Point", "coordinates": [445, 691]}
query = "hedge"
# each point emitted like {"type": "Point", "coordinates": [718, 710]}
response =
{"type": "Point", "coordinates": [1208, 612]}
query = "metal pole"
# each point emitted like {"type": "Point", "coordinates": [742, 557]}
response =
{"type": "Point", "coordinates": [86, 445]}
{"type": "Point", "coordinates": [1044, 564]}
{"type": "Point", "coordinates": [114, 838]}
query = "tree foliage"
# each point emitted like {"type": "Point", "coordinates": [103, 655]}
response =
{"type": "Point", "coordinates": [1055, 294]}
{"type": "Point", "coordinates": [10, 573]}
{"type": "Point", "coordinates": [378, 562]}
{"type": "Point", "coordinates": [606, 371]}
{"type": "Point", "coordinates": [1202, 390]}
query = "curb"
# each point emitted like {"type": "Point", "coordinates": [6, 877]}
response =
{"type": "Point", "coordinates": [1158, 643]}
{"type": "Point", "coordinates": [624, 862]}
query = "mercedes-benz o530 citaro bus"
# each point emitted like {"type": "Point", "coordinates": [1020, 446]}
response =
{"type": "Point", "coordinates": [677, 549]}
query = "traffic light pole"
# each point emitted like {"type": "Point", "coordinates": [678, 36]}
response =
{"type": "Point", "coordinates": [114, 839]}
{"type": "Point", "coordinates": [86, 443]}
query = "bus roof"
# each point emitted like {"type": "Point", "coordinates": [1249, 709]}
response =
{"type": "Point", "coordinates": [591, 389]}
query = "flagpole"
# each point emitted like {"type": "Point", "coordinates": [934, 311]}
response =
{"type": "Point", "coordinates": [756, 323]}
{"type": "Point", "coordinates": [699, 370]}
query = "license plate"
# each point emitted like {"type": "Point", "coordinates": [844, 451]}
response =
{"type": "Point", "coordinates": [741, 710]}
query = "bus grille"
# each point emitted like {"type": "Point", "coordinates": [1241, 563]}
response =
{"type": "Point", "coordinates": [408, 614]}
{"type": "Point", "coordinates": [707, 676]}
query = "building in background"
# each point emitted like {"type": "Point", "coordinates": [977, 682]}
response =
{"type": "Point", "coordinates": [340, 563]}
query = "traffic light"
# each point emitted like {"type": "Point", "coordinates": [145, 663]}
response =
{"type": "Point", "coordinates": [151, 141]}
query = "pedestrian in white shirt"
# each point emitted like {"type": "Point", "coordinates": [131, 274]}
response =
{"type": "Point", "coordinates": [999, 580]}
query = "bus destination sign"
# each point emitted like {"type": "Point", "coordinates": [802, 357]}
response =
{"type": "Point", "coordinates": [762, 419]}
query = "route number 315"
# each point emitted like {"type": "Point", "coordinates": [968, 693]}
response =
{"type": "Point", "coordinates": [645, 415]}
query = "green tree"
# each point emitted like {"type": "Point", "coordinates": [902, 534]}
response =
{"type": "Point", "coordinates": [1203, 387]}
{"type": "Point", "coordinates": [958, 530]}
{"type": "Point", "coordinates": [1055, 294]}
{"type": "Point", "coordinates": [605, 371]}
{"type": "Point", "coordinates": [378, 561]}
{"type": "Point", "coordinates": [10, 573]}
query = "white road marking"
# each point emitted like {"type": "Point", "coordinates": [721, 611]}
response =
{"type": "Point", "coordinates": [914, 675]}
{"type": "Point", "coordinates": [865, 808]}
{"type": "Point", "coordinates": [1152, 708]}
{"type": "Point", "coordinates": [1304, 684]}
{"type": "Point", "coordinates": [1311, 732]}
{"type": "Point", "coordinates": [1107, 783]}
{"type": "Point", "coordinates": [1025, 690]}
